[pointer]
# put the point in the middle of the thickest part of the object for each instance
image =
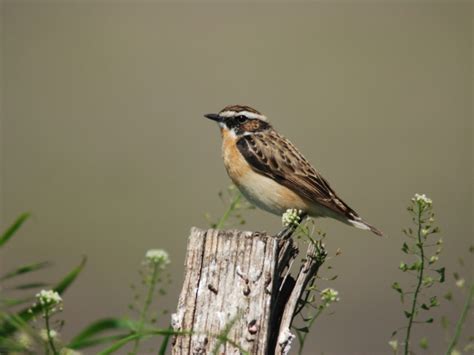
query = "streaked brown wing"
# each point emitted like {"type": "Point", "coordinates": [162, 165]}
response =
{"type": "Point", "coordinates": [277, 158]}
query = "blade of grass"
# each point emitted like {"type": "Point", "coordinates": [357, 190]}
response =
{"type": "Point", "coordinates": [10, 302]}
{"type": "Point", "coordinates": [147, 333]}
{"type": "Point", "coordinates": [166, 340]}
{"type": "Point", "coordinates": [106, 324]}
{"type": "Point", "coordinates": [10, 232]}
{"type": "Point", "coordinates": [25, 269]}
{"type": "Point", "coordinates": [96, 341]}
{"type": "Point", "coordinates": [28, 286]}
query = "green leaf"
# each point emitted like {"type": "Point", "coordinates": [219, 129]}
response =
{"type": "Point", "coordinates": [415, 266]}
{"type": "Point", "coordinates": [10, 232]}
{"type": "Point", "coordinates": [424, 343]}
{"type": "Point", "coordinates": [164, 344]}
{"type": "Point", "coordinates": [425, 307]}
{"type": "Point", "coordinates": [405, 248]}
{"type": "Point", "coordinates": [97, 341]}
{"type": "Point", "coordinates": [25, 269]}
{"type": "Point", "coordinates": [396, 286]}
{"type": "Point", "coordinates": [444, 322]}
{"type": "Point", "coordinates": [29, 286]}
{"type": "Point", "coordinates": [394, 333]}
{"type": "Point", "coordinates": [106, 324]}
{"type": "Point", "coordinates": [434, 301]}
{"type": "Point", "coordinates": [122, 342]}
{"type": "Point", "coordinates": [430, 320]}
{"type": "Point", "coordinates": [303, 330]}
{"type": "Point", "coordinates": [441, 272]}
{"type": "Point", "coordinates": [10, 302]}
{"type": "Point", "coordinates": [407, 314]}
{"type": "Point", "coordinates": [70, 278]}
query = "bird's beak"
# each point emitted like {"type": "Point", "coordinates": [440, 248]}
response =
{"type": "Point", "coordinates": [214, 117]}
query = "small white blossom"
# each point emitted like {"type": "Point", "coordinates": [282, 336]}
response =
{"type": "Point", "coordinates": [157, 256]}
{"type": "Point", "coordinates": [460, 283]}
{"type": "Point", "coordinates": [49, 299]}
{"type": "Point", "coordinates": [393, 344]}
{"type": "Point", "coordinates": [456, 352]}
{"type": "Point", "coordinates": [52, 334]}
{"type": "Point", "coordinates": [24, 340]}
{"type": "Point", "coordinates": [292, 217]}
{"type": "Point", "coordinates": [434, 259]}
{"type": "Point", "coordinates": [422, 199]}
{"type": "Point", "coordinates": [329, 295]}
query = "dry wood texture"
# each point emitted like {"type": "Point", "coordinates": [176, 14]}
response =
{"type": "Point", "coordinates": [238, 295]}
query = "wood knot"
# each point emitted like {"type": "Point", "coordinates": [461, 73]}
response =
{"type": "Point", "coordinates": [253, 327]}
{"type": "Point", "coordinates": [247, 288]}
{"type": "Point", "coordinates": [212, 289]}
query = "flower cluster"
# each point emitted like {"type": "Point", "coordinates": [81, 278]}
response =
{"type": "Point", "coordinates": [422, 200]}
{"type": "Point", "coordinates": [292, 217]}
{"type": "Point", "coordinates": [49, 300]}
{"type": "Point", "coordinates": [157, 257]}
{"type": "Point", "coordinates": [329, 295]}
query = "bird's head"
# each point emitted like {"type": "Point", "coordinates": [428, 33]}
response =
{"type": "Point", "coordinates": [240, 120]}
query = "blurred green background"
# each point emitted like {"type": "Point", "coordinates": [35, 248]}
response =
{"type": "Point", "coordinates": [103, 139]}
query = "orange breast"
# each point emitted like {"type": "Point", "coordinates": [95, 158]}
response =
{"type": "Point", "coordinates": [234, 162]}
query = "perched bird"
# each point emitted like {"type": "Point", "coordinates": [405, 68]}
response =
{"type": "Point", "coordinates": [271, 173]}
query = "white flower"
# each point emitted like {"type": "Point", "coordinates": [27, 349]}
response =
{"type": "Point", "coordinates": [460, 283]}
{"type": "Point", "coordinates": [434, 259]}
{"type": "Point", "coordinates": [52, 334]}
{"type": "Point", "coordinates": [157, 256]}
{"type": "Point", "coordinates": [329, 295]}
{"type": "Point", "coordinates": [292, 217]}
{"type": "Point", "coordinates": [25, 340]}
{"type": "Point", "coordinates": [422, 199]}
{"type": "Point", "coordinates": [393, 344]}
{"type": "Point", "coordinates": [456, 352]}
{"type": "Point", "coordinates": [49, 298]}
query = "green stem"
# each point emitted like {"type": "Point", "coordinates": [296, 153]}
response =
{"type": "Point", "coordinates": [146, 306]}
{"type": "Point", "coordinates": [310, 324]}
{"type": "Point", "coordinates": [227, 213]}
{"type": "Point", "coordinates": [461, 320]}
{"type": "Point", "coordinates": [48, 333]}
{"type": "Point", "coordinates": [418, 286]}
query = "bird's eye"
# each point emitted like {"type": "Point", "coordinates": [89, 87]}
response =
{"type": "Point", "coordinates": [241, 119]}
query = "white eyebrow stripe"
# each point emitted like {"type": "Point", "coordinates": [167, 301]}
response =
{"type": "Point", "coordinates": [244, 113]}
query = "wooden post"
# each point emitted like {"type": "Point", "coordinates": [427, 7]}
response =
{"type": "Point", "coordinates": [238, 294]}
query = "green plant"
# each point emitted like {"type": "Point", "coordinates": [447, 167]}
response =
{"type": "Point", "coordinates": [236, 204]}
{"type": "Point", "coordinates": [462, 289]}
{"type": "Point", "coordinates": [15, 332]}
{"type": "Point", "coordinates": [315, 301]}
{"type": "Point", "coordinates": [419, 241]}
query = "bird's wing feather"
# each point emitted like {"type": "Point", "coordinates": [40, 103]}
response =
{"type": "Point", "coordinates": [277, 158]}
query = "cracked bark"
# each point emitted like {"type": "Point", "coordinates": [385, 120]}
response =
{"type": "Point", "coordinates": [238, 285]}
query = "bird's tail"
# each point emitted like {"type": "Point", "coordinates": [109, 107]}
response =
{"type": "Point", "coordinates": [361, 224]}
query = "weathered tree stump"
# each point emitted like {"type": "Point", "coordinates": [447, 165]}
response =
{"type": "Point", "coordinates": [238, 294]}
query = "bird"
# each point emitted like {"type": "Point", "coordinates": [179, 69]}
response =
{"type": "Point", "coordinates": [271, 172]}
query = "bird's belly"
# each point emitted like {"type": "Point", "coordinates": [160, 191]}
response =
{"type": "Point", "coordinates": [269, 195]}
{"type": "Point", "coordinates": [260, 190]}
